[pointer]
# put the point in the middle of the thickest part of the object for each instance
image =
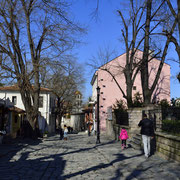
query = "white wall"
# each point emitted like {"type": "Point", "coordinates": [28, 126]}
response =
{"type": "Point", "coordinates": [45, 110]}
{"type": "Point", "coordinates": [94, 91]}
{"type": "Point", "coordinates": [9, 94]}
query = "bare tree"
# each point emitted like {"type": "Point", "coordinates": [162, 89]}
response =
{"type": "Point", "coordinates": [149, 32]}
{"type": "Point", "coordinates": [141, 33]}
{"type": "Point", "coordinates": [64, 81]}
{"type": "Point", "coordinates": [175, 12]}
{"type": "Point", "coordinates": [140, 29]}
{"type": "Point", "coordinates": [174, 38]}
{"type": "Point", "coordinates": [132, 39]}
{"type": "Point", "coordinates": [31, 30]}
{"type": "Point", "coordinates": [131, 33]}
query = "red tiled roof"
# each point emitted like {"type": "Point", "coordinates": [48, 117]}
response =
{"type": "Point", "coordinates": [16, 88]}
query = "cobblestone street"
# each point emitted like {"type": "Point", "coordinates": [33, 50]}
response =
{"type": "Point", "coordinates": [80, 158]}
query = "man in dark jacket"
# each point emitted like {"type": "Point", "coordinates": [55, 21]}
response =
{"type": "Point", "coordinates": [147, 131]}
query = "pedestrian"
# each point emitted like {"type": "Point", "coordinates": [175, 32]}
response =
{"type": "Point", "coordinates": [61, 133]}
{"type": "Point", "coordinates": [147, 132]}
{"type": "Point", "coordinates": [123, 136]}
{"type": "Point", "coordinates": [65, 132]}
{"type": "Point", "coordinates": [89, 123]}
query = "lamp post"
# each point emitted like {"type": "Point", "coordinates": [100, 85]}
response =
{"type": "Point", "coordinates": [98, 129]}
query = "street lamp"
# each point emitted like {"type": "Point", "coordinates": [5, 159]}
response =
{"type": "Point", "coordinates": [98, 129]}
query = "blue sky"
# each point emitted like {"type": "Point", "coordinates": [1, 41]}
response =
{"type": "Point", "coordinates": [107, 32]}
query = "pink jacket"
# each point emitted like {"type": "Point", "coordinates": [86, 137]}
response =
{"type": "Point", "coordinates": [123, 135]}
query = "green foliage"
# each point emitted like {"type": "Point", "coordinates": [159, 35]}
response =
{"type": "Point", "coordinates": [1, 84]}
{"type": "Point", "coordinates": [89, 99]}
{"type": "Point", "coordinates": [46, 132]}
{"type": "Point", "coordinates": [137, 100]}
{"type": "Point", "coordinates": [120, 111]}
{"type": "Point", "coordinates": [164, 103]}
{"type": "Point", "coordinates": [120, 105]}
{"type": "Point", "coordinates": [175, 102]}
{"type": "Point", "coordinates": [171, 126]}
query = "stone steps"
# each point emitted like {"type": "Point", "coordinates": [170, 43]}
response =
{"type": "Point", "coordinates": [136, 142]}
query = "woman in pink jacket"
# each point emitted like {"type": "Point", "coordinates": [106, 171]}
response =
{"type": "Point", "coordinates": [123, 137]}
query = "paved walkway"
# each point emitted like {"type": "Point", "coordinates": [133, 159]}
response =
{"type": "Point", "coordinates": [80, 158]}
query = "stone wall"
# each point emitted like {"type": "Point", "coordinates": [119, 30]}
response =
{"type": "Point", "coordinates": [112, 129]}
{"type": "Point", "coordinates": [135, 115]}
{"type": "Point", "coordinates": [168, 146]}
{"type": "Point", "coordinates": [155, 114]}
{"type": "Point", "coordinates": [109, 129]}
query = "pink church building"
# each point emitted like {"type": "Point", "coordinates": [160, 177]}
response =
{"type": "Point", "coordinates": [110, 92]}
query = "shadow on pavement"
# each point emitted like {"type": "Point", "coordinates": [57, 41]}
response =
{"type": "Point", "coordinates": [120, 157]}
{"type": "Point", "coordinates": [17, 144]}
{"type": "Point", "coordinates": [16, 164]}
{"type": "Point", "coordinates": [83, 149]}
{"type": "Point", "coordinates": [45, 161]}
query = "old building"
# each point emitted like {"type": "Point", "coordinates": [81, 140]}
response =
{"type": "Point", "coordinates": [75, 117]}
{"type": "Point", "coordinates": [110, 92]}
{"type": "Point", "coordinates": [46, 102]}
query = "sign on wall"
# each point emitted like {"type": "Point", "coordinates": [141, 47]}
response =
{"type": "Point", "coordinates": [109, 113]}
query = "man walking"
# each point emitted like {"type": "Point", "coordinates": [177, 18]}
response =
{"type": "Point", "coordinates": [147, 131]}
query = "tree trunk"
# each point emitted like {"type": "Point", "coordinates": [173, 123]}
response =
{"type": "Point", "coordinates": [59, 120]}
{"type": "Point", "coordinates": [144, 65]}
{"type": "Point", "coordinates": [30, 107]}
{"type": "Point", "coordinates": [60, 112]}
{"type": "Point", "coordinates": [129, 86]}
{"type": "Point", "coordinates": [178, 4]}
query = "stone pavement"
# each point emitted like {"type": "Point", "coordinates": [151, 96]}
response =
{"type": "Point", "coordinates": [80, 158]}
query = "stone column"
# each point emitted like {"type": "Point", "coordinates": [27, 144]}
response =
{"type": "Point", "coordinates": [134, 115]}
